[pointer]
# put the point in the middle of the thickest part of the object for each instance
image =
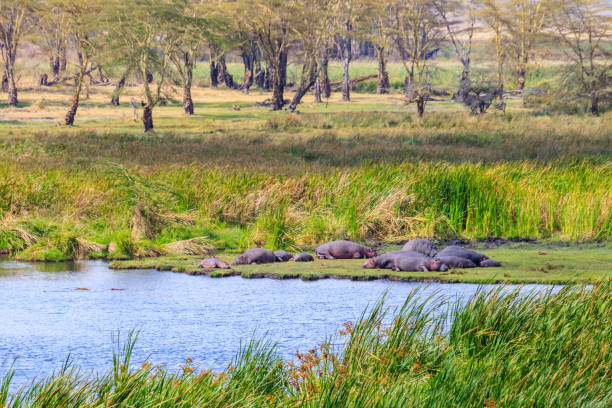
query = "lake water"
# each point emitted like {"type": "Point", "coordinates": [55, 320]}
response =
{"type": "Point", "coordinates": [43, 317]}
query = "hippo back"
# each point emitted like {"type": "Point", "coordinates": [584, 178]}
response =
{"type": "Point", "coordinates": [260, 255]}
{"type": "Point", "coordinates": [463, 253]}
{"type": "Point", "coordinates": [424, 246]}
{"type": "Point", "coordinates": [456, 262]}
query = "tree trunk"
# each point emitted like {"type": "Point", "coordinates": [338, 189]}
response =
{"type": "Point", "coordinates": [147, 118]}
{"type": "Point", "coordinates": [594, 104]}
{"type": "Point", "coordinates": [260, 76]}
{"type": "Point", "coordinates": [346, 86]}
{"type": "Point", "coordinates": [420, 102]}
{"type": "Point", "coordinates": [309, 76]}
{"type": "Point", "coordinates": [520, 79]}
{"type": "Point", "coordinates": [43, 79]}
{"type": "Point", "coordinates": [317, 91]}
{"type": "Point", "coordinates": [75, 99]}
{"type": "Point", "coordinates": [383, 75]}
{"type": "Point", "coordinates": [278, 81]}
{"type": "Point", "coordinates": [149, 77]}
{"type": "Point", "coordinates": [248, 59]}
{"type": "Point", "coordinates": [187, 81]}
{"type": "Point", "coordinates": [214, 74]}
{"type": "Point", "coordinates": [12, 89]}
{"type": "Point", "coordinates": [326, 87]}
{"type": "Point", "coordinates": [118, 88]}
{"type": "Point", "coordinates": [62, 57]}
{"type": "Point", "coordinates": [5, 82]}
{"type": "Point", "coordinates": [223, 75]}
{"type": "Point", "coordinates": [464, 83]}
{"type": "Point", "coordinates": [54, 63]}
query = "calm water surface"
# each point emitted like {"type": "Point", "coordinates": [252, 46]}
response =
{"type": "Point", "coordinates": [43, 317]}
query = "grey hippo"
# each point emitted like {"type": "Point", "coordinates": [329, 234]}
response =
{"type": "Point", "coordinates": [424, 246]}
{"type": "Point", "coordinates": [461, 252]}
{"type": "Point", "coordinates": [387, 260]}
{"type": "Point", "coordinates": [303, 257]}
{"type": "Point", "coordinates": [282, 256]}
{"type": "Point", "coordinates": [212, 263]}
{"type": "Point", "coordinates": [489, 263]}
{"type": "Point", "coordinates": [421, 263]}
{"type": "Point", "coordinates": [456, 262]}
{"type": "Point", "coordinates": [255, 256]}
{"type": "Point", "coordinates": [344, 250]}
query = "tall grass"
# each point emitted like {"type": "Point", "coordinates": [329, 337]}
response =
{"type": "Point", "coordinates": [371, 202]}
{"type": "Point", "coordinates": [500, 348]}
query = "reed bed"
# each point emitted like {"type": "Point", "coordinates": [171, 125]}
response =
{"type": "Point", "coordinates": [500, 348]}
{"type": "Point", "coordinates": [372, 202]}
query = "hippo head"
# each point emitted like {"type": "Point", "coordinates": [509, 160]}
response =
{"type": "Point", "coordinates": [369, 264]}
{"type": "Point", "coordinates": [370, 253]}
{"type": "Point", "coordinates": [240, 260]}
{"type": "Point", "coordinates": [437, 265]}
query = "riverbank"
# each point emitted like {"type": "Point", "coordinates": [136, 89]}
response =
{"type": "Point", "coordinates": [497, 349]}
{"type": "Point", "coordinates": [521, 263]}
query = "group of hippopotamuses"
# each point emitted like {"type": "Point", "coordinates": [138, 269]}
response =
{"type": "Point", "coordinates": [416, 255]}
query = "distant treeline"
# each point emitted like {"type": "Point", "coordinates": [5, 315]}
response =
{"type": "Point", "coordinates": [159, 41]}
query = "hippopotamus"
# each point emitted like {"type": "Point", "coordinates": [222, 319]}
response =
{"type": "Point", "coordinates": [422, 263]}
{"type": "Point", "coordinates": [489, 263]}
{"type": "Point", "coordinates": [456, 262]}
{"type": "Point", "coordinates": [211, 263]}
{"type": "Point", "coordinates": [282, 256]}
{"type": "Point", "coordinates": [461, 252]}
{"type": "Point", "coordinates": [424, 246]}
{"type": "Point", "coordinates": [303, 257]}
{"type": "Point", "coordinates": [387, 260]}
{"type": "Point", "coordinates": [255, 256]}
{"type": "Point", "coordinates": [344, 250]}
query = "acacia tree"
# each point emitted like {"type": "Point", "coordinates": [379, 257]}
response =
{"type": "Point", "coordinates": [52, 37]}
{"type": "Point", "coordinates": [15, 21]}
{"type": "Point", "coordinates": [269, 23]}
{"type": "Point", "coordinates": [143, 32]}
{"type": "Point", "coordinates": [349, 25]}
{"type": "Point", "coordinates": [189, 37]}
{"type": "Point", "coordinates": [489, 11]}
{"type": "Point", "coordinates": [380, 38]}
{"type": "Point", "coordinates": [459, 18]}
{"type": "Point", "coordinates": [80, 19]}
{"type": "Point", "coordinates": [312, 24]}
{"type": "Point", "coordinates": [415, 31]}
{"type": "Point", "coordinates": [582, 28]}
{"type": "Point", "coordinates": [523, 21]}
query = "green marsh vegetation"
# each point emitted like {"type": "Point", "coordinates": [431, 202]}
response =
{"type": "Point", "coordinates": [289, 181]}
{"type": "Point", "coordinates": [497, 349]}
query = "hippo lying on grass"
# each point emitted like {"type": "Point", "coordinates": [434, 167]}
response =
{"type": "Point", "coordinates": [408, 262]}
{"type": "Point", "coordinates": [387, 260]}
{"type": "Point", "coordinates": [303, 257]}
{"type": "Point", "coordinates": [212, 263]}
{"type": "Point", "coordinates": [344, 250]}
{"type": "Point", "coordinates": [282, 256]}
{"type": "Point", "coordinates": [255, 256]}
{"type": "Point", "coordinates": [473, 256]}
{"type": "Point", "coordinates": [456, 262]}
{"type": "Point", "coordinates": [424, 246]}
{"type": "Point", "coordinates": [489, 263]}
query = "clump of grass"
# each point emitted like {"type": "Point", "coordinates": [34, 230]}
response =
{"type": "Point", "coordinates": [499, 348]}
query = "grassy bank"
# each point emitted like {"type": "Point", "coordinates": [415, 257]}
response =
{"type": "Point", "coordinates": [499, 349]}
{"type": "Point", "coordinates": [521, 263]}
